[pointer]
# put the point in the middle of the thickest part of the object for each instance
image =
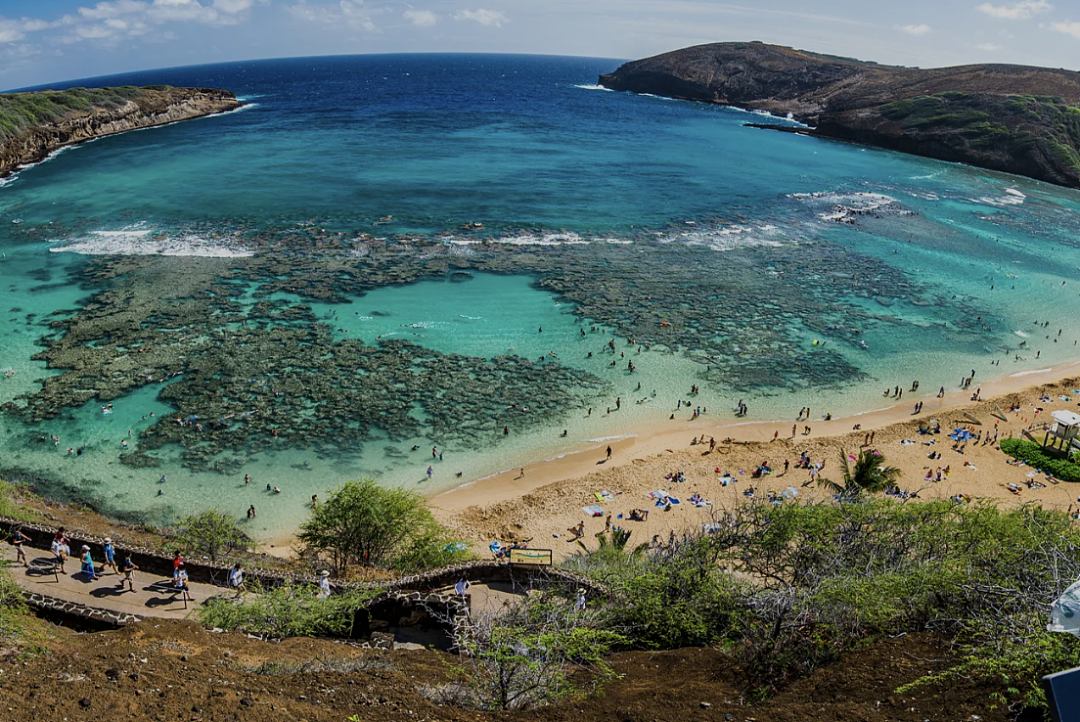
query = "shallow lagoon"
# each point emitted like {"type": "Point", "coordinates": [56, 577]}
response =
{"type": "Point", "coordinates": [598, 209]}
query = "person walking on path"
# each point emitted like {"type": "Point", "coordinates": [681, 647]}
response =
{"type": "Point", "coordinates": [20, 540]}
{"type": "Point", "coordinates": [236, 579]}
{"type": "Point", "coordinates": [58, 554]}
{"type": "Point", "coordinates": [110, 555]}
{"type": "Point", "coordinates": [128, 568]}
{"type": "Point", "coordinates": [180, 579]}
{"type": "Point", "coordinates": [88, 563]}
{"type": "Point", "coordinates": [324, 584]}
{"type": "Point", "coordinates": [177, 562]}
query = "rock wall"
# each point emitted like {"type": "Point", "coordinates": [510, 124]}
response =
{"type": "Point", "coordinates": [155, 107]}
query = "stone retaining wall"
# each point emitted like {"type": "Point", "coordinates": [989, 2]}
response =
{"type": "Point", "coordinates": [94, 617]}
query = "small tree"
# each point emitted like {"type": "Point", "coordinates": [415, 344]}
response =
{"type": "Point", "coordinates": [367, 524]}
{"type": "Point", "coordinates": [869, 474]}
{"type": "Point", "coordinates": [211, 533]}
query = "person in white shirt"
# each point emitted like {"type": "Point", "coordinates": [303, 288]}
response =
{"type": "Point", "coordinates": [180, 579]}
{"type": "Point", "coordinates": [324, 584]}
{"type": "Point", "coordinates": [236, 579]}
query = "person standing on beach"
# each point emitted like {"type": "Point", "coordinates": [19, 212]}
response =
{"type": "Point", "coordinates": [609, 452]}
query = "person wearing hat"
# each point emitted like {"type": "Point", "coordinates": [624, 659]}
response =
{"type": "Point", "coordinates": [324, 584]}
{"type": "Point", "coordinates": [580, 604]}
{"type": "Point", "coordinates": [88, 563]}
{"type": "Point", "coordinates": [110, 556]}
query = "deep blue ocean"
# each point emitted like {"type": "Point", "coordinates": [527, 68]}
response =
{"type": "Point", "coordinates": [527, 151]}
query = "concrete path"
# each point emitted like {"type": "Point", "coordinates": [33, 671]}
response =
{"type": "Point", "coordinates": [150, 598]}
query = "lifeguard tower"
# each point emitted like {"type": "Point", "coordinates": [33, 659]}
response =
{"type": "Point", "coordinates": [1064, 435]}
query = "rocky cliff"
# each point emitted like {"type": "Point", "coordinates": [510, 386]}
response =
{"type": "Point", "coordinates": [32, 125]}
{"type": "Point", "coordinates": [1017, 119]}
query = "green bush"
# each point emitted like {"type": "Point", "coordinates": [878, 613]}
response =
{"type": "Point", "coordinates": [210, 533]}
{"type": "Point", "coordinates": [792, 587]}
{"type": "Point", "coordinates": [370, 525]}
{"type": "Point", "coordinates": [1033, 455]}
{"type": "Point", "coordinates": [291, 610]}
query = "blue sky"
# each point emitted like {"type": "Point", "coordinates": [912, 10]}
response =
{"type": "Point", "coordinates": [42, 41]}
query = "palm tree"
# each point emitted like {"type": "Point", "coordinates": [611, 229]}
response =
{"type": "Point", "coordinates": [869, 475]}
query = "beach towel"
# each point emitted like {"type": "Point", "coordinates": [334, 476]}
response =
{"type": "Point", "coordinates": [593, 510]}
{"type": "Point", "coordinates": [658, 494]}
{"type": "Point", "coordinates": [605, 495]}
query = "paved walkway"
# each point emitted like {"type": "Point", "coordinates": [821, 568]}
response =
{"type": "Point", "coordinates": [150, 598]}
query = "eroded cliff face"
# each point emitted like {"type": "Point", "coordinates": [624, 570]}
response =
{"type": "Point", "coordinates": [1016, 119]}
{"type": "Point", "coordinates": [153, 107]}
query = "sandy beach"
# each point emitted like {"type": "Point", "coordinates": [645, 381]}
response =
{"type": "Point", "coordinates": [548, 499]}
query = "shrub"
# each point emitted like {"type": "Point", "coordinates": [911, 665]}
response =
{"type": "Point", "coordinates": [538, 652]}
{"type": "Point", "coordinates": [291, 610]}
{"type": "Point", "coordinates": [367, 524]}
{"type": "Point", "coordinates": [210, 533]}
{"type": "Point", "coordinates": [1033, 454]}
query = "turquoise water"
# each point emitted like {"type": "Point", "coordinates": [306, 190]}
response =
{"type": "Point", "coordinates": [514, 196]}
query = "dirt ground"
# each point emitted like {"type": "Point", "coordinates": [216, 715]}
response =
{"type": "Point", "coordinates": [169, 670]}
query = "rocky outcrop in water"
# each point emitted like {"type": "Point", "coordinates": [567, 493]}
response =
{"type": "Point", "coordinates": [69, 117]}
{"type": "Point", "coordinates": [1011, 118]}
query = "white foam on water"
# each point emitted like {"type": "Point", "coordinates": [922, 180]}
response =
{"type": "Point", "coordinates": [1021, 334]}
{"type": "Point", "coordinates": [139, 241]}
{"type": "Point", "coordinates": [725, 238]}
{"type": "Point", "coordinates": [845, 206]}
{"type": "Point", "coordinates": [1012, 197]}
{"type": "Point", "coordinates": [555, 238]}
{"type": "Point", "coordinates": [595, 87]}
{"type": "Point", "coordinates": [602, 439]}
{"type": "Point", "coordinates": [1029, 373]}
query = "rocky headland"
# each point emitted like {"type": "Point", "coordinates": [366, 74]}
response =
{"type": "Point", "coordinates": [1011, 118]}
{"type": "Point", "coordinates": [33, 125]}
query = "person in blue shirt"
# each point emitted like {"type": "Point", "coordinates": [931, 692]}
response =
{"type": "Point", "coordinates": [110, 555]}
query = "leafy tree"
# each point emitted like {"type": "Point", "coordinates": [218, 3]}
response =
{"type": "Point", "coordinates": [367, 524]}
{"type": "Point", "coordinates": [211, 533]}
{"type": "Point", "coordinates": [868, 475]}
{"type": "Point", "coordinates": [536, 653]}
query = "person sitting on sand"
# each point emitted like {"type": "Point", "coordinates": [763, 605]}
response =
{"type": "Point", "coordinates": [639, 515]}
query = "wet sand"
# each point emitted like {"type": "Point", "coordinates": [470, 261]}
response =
{"type": "Point", "coordinates": [548, 499]}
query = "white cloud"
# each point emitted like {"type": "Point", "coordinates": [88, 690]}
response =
{"type": "Point", "coordinates": [348, 13]}
{"type": "Point", "coordinates": [1019, 11]}
{"type": "Point", "coordinates": [921, 29]}
{"type": "Point", "coordinates": [1068, 27]}
{"type": "Point", "coordinates": [12, 30]}
{"type": "Point", "coordinates": [111, 21]}
{"type": "Point", "coordinates": [988, 47]}
{"type": "Point", "coordinates": [421, 18]}
{"type": "Point", "coordinates": [489, 18]}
